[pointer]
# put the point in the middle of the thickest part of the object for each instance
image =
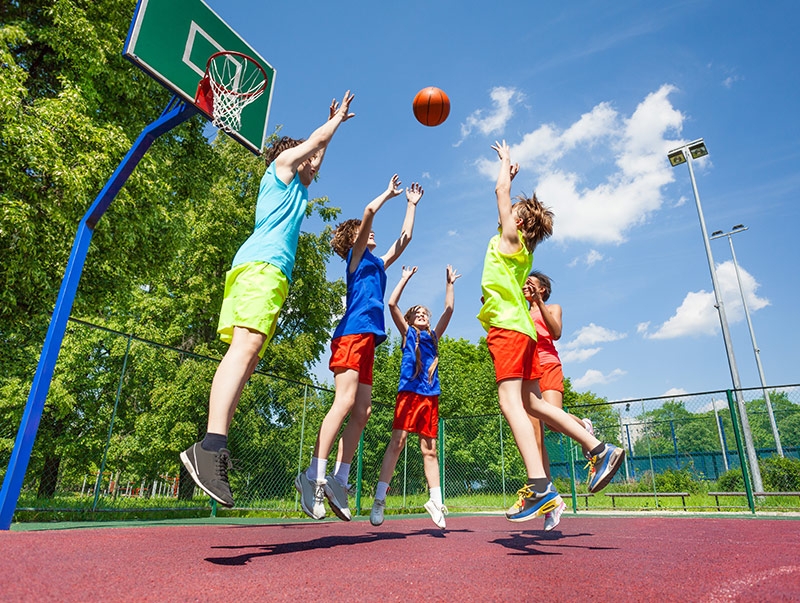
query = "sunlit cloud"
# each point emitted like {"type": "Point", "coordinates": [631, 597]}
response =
{"type": "Point", "coordinates": [493, 121]}
{"type": "Point", "coordinates": [595, 377]}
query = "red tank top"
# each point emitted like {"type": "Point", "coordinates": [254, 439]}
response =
{"type": "Point", "coordinates": [544, 343]}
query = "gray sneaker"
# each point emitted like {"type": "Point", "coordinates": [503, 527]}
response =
{"type": "Point", "coordinates": [336, 494]}
{"type": "Point", "coordinates": [376, 516]}
{"type": "Point", "coordinates": [312, 495]}
{"type": "Point", "coordinates": [553, 518]}
{"type": "Point", "coordinates": [209, 470]}
{"type": "Point", "coordinates": [437, 513]}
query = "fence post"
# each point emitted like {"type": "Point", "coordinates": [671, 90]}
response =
{"type": "Point", "coordinates": [111, 424]}
{"type": "Point", "coordinates": [441, 455]}
{"type": "Point", "coordinates": [748, 488]}
{"type": "Point", "coordinates": [502, 462]}
{"type": "Point", "coordinates": [359, 472]}
{"type": "Point", "coordinates": [302, 437]}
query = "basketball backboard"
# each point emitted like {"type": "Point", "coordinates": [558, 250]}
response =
{"type": "Point", "coordinates": [171, 40]}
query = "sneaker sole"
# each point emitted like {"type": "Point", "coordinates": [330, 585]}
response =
{"type": "Point", "coordinates": [190, 468]}
{"type": "Point", "coordinates": [431, 512]}
{"type": "Point", "coordinates": [545, 508]}
{"type": "Point", "coordinates": [613, 465]}
{"type": "Point", "coordinates": [343, 514]}
{"type": "Point", "coordinates": [557, 520]}
{"type": "Point", "coordinates": [299, 488]}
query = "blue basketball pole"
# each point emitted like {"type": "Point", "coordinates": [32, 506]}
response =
{"type": "Point", "coordinates": [175, 113]}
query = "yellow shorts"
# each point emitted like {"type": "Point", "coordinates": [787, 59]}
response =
{"type": "Point", "coordinates": [254, 295]}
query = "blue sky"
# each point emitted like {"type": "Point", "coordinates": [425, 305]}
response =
{"type": "Point", "coordinates": [590, 96]}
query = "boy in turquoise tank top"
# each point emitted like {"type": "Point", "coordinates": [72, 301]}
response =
{"type": "Point", "coordinates": [353, 352]}
{"type": "Point", "coordinates": [511, 339]}
{"type": "Point", "coordinates": [256, 287]}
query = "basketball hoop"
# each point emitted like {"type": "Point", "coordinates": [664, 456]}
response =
{"type": "Point", "coordinates": [232, 81]}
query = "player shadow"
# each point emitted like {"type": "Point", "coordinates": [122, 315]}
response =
{"type": "Point", "coordinates": [323, 542]}
{"type": "Point", "coordinates": [535, 542]}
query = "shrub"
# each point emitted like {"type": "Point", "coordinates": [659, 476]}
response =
{"type": "Point", "coordinates": [780, 474]}
{"type": "Point", "coordinates": [731, 481]}
{"type": "Point", "coordinates": [679, 480]}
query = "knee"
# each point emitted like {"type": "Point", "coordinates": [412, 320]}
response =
{"type": "Point", "coordinates": [360, 415]}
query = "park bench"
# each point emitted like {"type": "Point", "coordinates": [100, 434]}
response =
{"type": "Point", "coordinates": [717, 495]}
{"type": "Point", "coordinates": [614, 495]}
{"type": "Point", "coordinates": [584, 495]}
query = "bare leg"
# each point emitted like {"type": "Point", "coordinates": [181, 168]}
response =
{"type": "Point", "coordinates": [554, 398]}
{"type": "Point", "coordinates": [346, 383]}
{"type": "Point", "coordinates": [430, 462]}
{"type": "Point", "coordinates": [359, 415]}
{"type": "Point", "coordinates": [391, 455]}
{"type": "Point", "coordinates": [556, 417]}
{"type": "Point", "coordinates": [232, 374]}
{"type": "Point", "coordinates": [510, 395]}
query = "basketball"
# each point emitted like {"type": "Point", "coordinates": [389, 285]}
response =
{"type": "Point", "coordinates": [431, 106]}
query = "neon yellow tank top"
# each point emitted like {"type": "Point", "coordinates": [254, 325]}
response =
{"type": "Point", "coordinates": [504, 305]}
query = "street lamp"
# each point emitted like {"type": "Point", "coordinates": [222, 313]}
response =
{"type": "Point", "coordinates": [686, 154]}
{"type": "Point", "coordinates": [716, 235]}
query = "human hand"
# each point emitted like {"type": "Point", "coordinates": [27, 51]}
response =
{"type": "Point", "coordinates": [452, 275]}
{"type": "Point", "coordinates": [414, 193]}
{"type": "Point", "coordinates": [344, 109]}
{"type": "Point", "coordinates": [394, 187]}
{"type": "Point", "coordinates": [408, 272]}
{"type": "Point", "coordinates": [503, 150]}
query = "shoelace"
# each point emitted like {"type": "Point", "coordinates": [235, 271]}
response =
{"type": "Point", "coordinates": [523, 493]}
{"type": "Point", "coordinates": [319, 494]}
{"type": "Point", "coordinates": [591, 467]}
{"type": "Point", "coordinates": [224, 463]}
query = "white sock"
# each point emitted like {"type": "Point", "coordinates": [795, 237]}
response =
{"type": "Point", "coordinates": [436, 496]}
{"type": "Point", "coordinates": [316, 471]}
{"type": "Point", "coordinates": [341, 472]}
{"type": "Point", "coordinates": [380, 491]}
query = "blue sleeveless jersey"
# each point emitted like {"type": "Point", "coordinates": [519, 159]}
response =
{"type": "Point", "coordinates": [408, 365]}
{"type": "Point", "coordinates": [365, 290]}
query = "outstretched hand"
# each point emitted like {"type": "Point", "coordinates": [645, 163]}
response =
{"type": "Point", "coordinates": [414, 193]}
{"type": "Point", "coordinates": [504, 153]}
{"type": "Point", "coordinates": [452, 275]}
{"type": "Point", "coordinates": [394, 187]}
{"type": "Point", "coordinates": [344, 109]}
{"type": "Point", "coordinates": [408, 272]}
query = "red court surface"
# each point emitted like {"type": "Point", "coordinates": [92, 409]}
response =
{"type": "Point", "coordinates": [478, 558]}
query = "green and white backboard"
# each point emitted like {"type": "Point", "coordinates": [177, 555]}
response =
{"type": "Point", "coordinates": [171, 40]}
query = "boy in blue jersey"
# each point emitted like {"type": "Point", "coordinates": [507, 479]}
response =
{"type": "Point", "coordinates": [353, 351]}
{"type": "Point", "coordinates": [417, 406]}
{"type": "Point", "coordinates": [256, 287]}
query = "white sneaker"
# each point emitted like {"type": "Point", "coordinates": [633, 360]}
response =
{"type": "Point", "coordinates": [553, 518]}
{"type": "Point", "coordinates": [336, 494]}
{"type": "Point", "coordinates": [376, 515]}
{"type": "Point", "coordinates": [437, 513]}
{"type": "Point", "coordinates": [587, 423]}
{"type": "Point", "coordinates": [312, 495]}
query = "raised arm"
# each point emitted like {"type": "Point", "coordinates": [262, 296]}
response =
{"type": "Point", "coordinates": [509, 242]}
{"type": "Point", "coordinates": [366, 221]}
{"type": "Point", "coordinates": [413, 195]}
{"type": "Point", "coordinates": [449, 302]}
{"type": "Point", "coordinates": [394, 299]}
{"type": "Point", "coordinates": [288, 162]}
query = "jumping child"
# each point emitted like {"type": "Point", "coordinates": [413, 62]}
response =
{"type": "Point", "coordinates": [417, 406]}
{"type": "Point", "coordinates": [511, 340]}
{"type": "Point", "coordinates": [353, 351]}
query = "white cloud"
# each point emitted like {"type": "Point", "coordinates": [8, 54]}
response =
{"type": "Point", "coordinates": [593, 377]}
{"type": "Point", "coordinates": [578, 355]}
{"type": "Point", "coordinates": [592, 334]}
{"type": "Point", "coordinates": [493, 122]}
{"type": "Point", "coordinates": [697, 314]}
{"type": "Point", "coordinates": [675, 392]}
{"type": "Point", "coordinates": [731, 80]}
{"type": "Point", "coordinates": [601, 212]}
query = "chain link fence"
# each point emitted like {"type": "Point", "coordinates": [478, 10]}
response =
{"type": "Point", "coordinates": [120, 410]}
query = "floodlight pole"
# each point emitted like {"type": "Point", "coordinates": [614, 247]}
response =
{"type": "Point", "coordinates": [773, 424]}
{"type": "Point", "coordinates": [686, 154]}
{"type": "Point", "coordinates": [175, 113]}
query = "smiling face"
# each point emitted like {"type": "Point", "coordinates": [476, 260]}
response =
{"type": "Point", "coordinates": [418, 316]}
{"type": "Point", "coordinates": [308, 169]}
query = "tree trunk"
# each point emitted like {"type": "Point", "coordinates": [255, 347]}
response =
{"type": "Point", "coordinates": [49, 477]}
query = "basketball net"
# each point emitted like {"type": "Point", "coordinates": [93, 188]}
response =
{"type": "Point", "coordinates": [232, 81]}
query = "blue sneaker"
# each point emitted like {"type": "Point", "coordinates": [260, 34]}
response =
{"type": "Point", "coordinates": [603, 466]}
{"type": "Point", "coordinates": [531, 504]}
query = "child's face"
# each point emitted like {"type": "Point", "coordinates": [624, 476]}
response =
{"type": "Point", "coordinates": [422, 318]}
{"type": "Point", "coordinates": [371, 244]}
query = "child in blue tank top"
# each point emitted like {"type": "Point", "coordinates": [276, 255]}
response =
{"type": "Point", "coordinates": [353, 351]}
{"type": "Point", "coordinates": [417, 406]}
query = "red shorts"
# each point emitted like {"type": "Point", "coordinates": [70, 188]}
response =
{"type": "Point", "coordinates": [356, 352]}
{"type": "Point", "coordinates": [552, 378]}
{"type": "Point", "coordinates": [416, 413]}
{"type": "Point", "coordinates": [513, 354]}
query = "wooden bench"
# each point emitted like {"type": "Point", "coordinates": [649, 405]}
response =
{"type": "Point", "coordinates": [615, 495]}
{"type": "Point", "coordinates": [716, 495]}
{"type": "Point", "coordinates": [584, 495]}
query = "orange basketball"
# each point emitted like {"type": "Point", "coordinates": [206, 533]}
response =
{"type": "Point", "coordinates": [431, 106]}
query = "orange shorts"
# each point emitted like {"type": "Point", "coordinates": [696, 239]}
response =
{"type": "Point", "coordinates": [416, 413]}
{"type": "Point", "coordinates": [552, 378]}
{"type": "Point", "coordinates": [513, 354]}
{"type": "Point", "coordinates": [356, 352]}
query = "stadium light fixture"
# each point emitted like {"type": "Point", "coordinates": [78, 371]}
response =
{"type": "Point", "coordinates": [773, 424]}
{"type": "Point", "coordinates": [687, 154]}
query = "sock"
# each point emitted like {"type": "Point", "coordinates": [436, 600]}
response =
{"type": "Point", "coordinates": [316, 470]}
{"type": "Point", "coordinates": [597, 449]}
{"type": "Point", "coordinates": [380, 491]}
{"type": "Point", "coordinates": [436, 495]}
{"type": "Point", "coordinates": [341, 472]}
{"type": "Point", "coordinates": [539, 484]}
{"type": "Point", "coordinates": [214, 442]}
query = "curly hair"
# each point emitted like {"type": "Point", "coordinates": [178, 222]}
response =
{"type": "Point", "coordinates": [344, 235]}
{"type": "Point", "coordinates": [537, 220]}
{"type": "Point", "coordinates": [279, 146]}
{"type": "Point", "coordinates": [544, 281]}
